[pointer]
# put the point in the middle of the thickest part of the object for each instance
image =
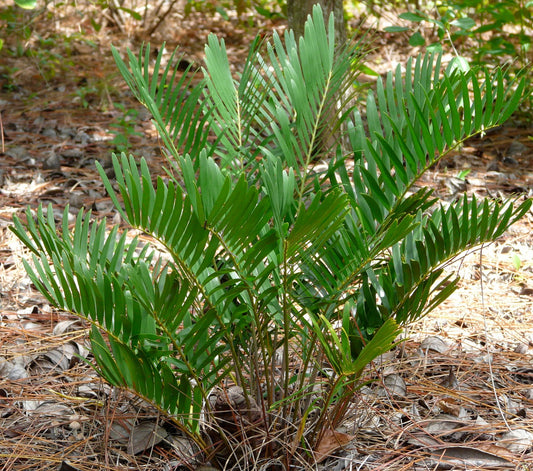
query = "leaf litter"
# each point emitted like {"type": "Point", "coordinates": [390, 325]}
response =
{"type": "Point", "coordinates": [457, 394]}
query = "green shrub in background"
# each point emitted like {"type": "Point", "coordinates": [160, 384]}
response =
{"type": "Point", "coordinates": [269, 286]}
{"type": "Point", "coordinates": [501, 30]}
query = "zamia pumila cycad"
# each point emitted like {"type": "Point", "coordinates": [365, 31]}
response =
{"type": "Point", "coordinates": [269, 286]}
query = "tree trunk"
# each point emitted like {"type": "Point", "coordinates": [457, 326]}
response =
{"type": "Point", "coordinates": [298, 10]}
{"type": "Point", "coordinates": [297, 13]}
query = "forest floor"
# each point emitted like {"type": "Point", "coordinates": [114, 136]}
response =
{"type": "Point", "coordinates": [458, 394]}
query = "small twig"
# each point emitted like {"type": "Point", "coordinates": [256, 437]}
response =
{"type": "Point", "coordinates": [161, 18]}
{"type": "Point", "coordinates": [145, 13]}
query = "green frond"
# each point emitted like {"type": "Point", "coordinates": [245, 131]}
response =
{"type": "Point", "coordinates": [408, 285]}
{"type": "Point", "coordinates": [181, 127]}
{"type": "Point", "coordinates": [155, 381]}
{"type": "Point", "coordinates": [314, 78]}
{"type": "Point", "coordinates": [465, 224]}
{"type": "Point", "coordinates": [238, 111]}
{"type": "Point", "coordinates": [420, 118]}
{"type": "Point", "coordinates": [316, 224]}
{"type": "Point", "coordinates": [96, 277]}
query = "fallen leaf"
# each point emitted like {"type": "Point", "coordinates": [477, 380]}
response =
{"type": "Point", "coordinates": [517, 441]}
{"type": "Point", "coordinates": [63, 327]}
{"type": "Point", "coordinates": [331, 442]}
{"type": "Point", "coordinates": [53, 409]}
{"type": "Point", "coordinates": [434, 343]}
{"type": "Point", "coordinates": [145, 436]}
{"type": "Point", "coordinates": [12, 370]}
{"type": "Point", "coordinates": [469, 457]}
{"type": "Point", "coordinates": [441, 425]}
{"type": "Point", "coordinates": [450, 406]}
{"type": "Point", "coordinates": [55, 360]}
{"type": "Point", "coordinates": [120, 430]}
{"type": "Point", "coordinates": [393, 385]}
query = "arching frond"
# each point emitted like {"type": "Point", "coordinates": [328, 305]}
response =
{"type": "Point", "coordinates": [176, 103]}
{"type": "Point", "coordinates": [415, 121]}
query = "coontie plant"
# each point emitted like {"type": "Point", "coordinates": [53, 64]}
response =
{"type": "Point", "coordinates": [266, 286]}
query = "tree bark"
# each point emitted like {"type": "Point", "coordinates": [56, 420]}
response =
{"type": "Point", "coordinates": [298, 10]}
{"type": "Point", "coordinates": [297, 13]}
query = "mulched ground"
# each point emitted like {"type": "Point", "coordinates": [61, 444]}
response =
{"type": "Point", "coordinates": [457, 395]}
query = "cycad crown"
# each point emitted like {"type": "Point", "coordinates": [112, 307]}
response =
{"type": "Point", "coordinates": [263, 273]}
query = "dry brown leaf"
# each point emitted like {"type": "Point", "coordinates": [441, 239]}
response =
{"type": "Point", "coordinates": [56, 360]}
{"type": "Point", "coordinates": [13, 370]}
{"type": "Point", "coordinates": [471, 457]}
{"type": "Point", "coordinates": [499, 451]}
{"type": "Point", "coordinates": [449, 405]}
{"type": "Point", "coordinates": [442, 424]}
{"type": "Point", "coordinates": [120, 430]}
{"type": "Point", "coordinates": [70, 325]}
{"type": "Point", "coordinates": [145, 436]}
{"type": "Point", "coordinates": [53, 409]}
{"type": "Point", "coordinates": [517, 441]}
{"type": "Point", "coordinates": [435, 344]}
{"type": "Point", "coordinates": [331, 442]}
{"type": "Point", "coordinates": [393, 385]}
